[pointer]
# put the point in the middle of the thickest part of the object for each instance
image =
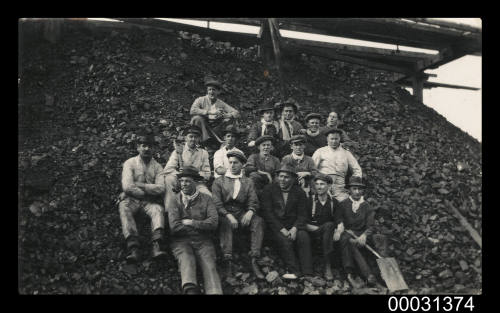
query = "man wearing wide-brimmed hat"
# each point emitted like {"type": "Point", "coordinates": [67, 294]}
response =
{"type": "Point", "coordinates": [301, 163]}
{"type": "Point", "coordinates": [143, 188]}
{"type": "Point", "coordinates": [210, 113]}
{"type": "Point", "coordinates": [191, 155]}
{"type": "Point", "coordinates": [288, 125]}
{"type": "Point", "coordinates": [335, 161]}
{"type": "Point", "coordinates": [358, 216]}
{"type": "Point", "coordinates": [267, 126]}
{"type": "Point", "coordinates": [221, 162]}
{"type": "Point", "coordinates": [261, 166]}
{"type": "Point", "coordinates": [193, 220]}
{"type": "Point", "coordinates": [314, 138]}
{"type": "Point", "coordinates": [284, 210]}
{"type": "Point", "coordinates": [236, 200]}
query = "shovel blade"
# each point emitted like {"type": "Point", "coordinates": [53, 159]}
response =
{"type": "Point", "coordinates": [391, 274]}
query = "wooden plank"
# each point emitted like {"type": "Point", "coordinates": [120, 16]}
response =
{"type": "Point", "coordinates": [458, 26]}
{"type": "Point", "coordinates": [463, 221]}
{"type": "Point", "coordinates": [418, 88]}
{"type": "Point", "coordinates": [275, 36]}
{"type": "Point", "coordinates": [328, 53]}
{"type": "Point", "coordinates": [429, 85]}
{"type": "Point", "coordinates": [243, 21]}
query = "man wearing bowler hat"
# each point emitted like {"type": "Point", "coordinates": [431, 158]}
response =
{"type": "Point", "coordinates": [210, 113]}
{"type": "Point", "coordinates": [267, 126]}
{"type": "Point", "coordinates": [221, 161]}
{"type": "Point", "coordinates": [193, 219]}
{"type": "Point", "coordinates": [335, 161]}
{"type": "Point", "coordinates": [284, 210]}
{"type": "Point", "coordinates": [261, 166]}
{"type": "Point", "coordinates": [358, 216]}
{"type": "Point", "coordinates": [191, 156]}
{"type": "Point", "coordinates": [236, 201]}
{"type": "Point", "coordinates": [143, 188]}
{"type": "Point", "coordinates": [314, 138]}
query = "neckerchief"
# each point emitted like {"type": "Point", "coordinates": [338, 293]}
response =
{"type": "Point", "coordinates": [312, 134]}
{"type": "Point", "coordinates": [287, 128]}
{"type": "Point", "coordinates": [265, 125]}
{"type": "Point", "coordinates": [237, 183]}
{"type": "Point", "coordinates": [356, 204]}
{"type": "Point", "coordinates": [186, 199]}
{"type": "Point", "coordinates": [297, 158]}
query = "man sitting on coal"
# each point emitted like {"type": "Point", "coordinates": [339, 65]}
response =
{"type": "Point", "coordinates": [315, 139]}
{"type": "Point", "coordinates": [221, 161]}
{"type": "Point", "coordinates": [261, 166]}
{"type": "Point", "coordinates": [143, 187]}
{"type": "Point", "coordinates": [211, 114]}
{"type": "Point", "coordinates": [236, 201]}
{"type": "Point", "coordinates": [358, 216]}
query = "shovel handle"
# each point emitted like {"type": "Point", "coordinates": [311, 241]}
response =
{"type": "Point", "coordinates": [350, 232]}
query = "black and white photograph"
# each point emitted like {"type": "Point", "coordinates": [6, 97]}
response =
{"type": "Point", "coordinates": [251, 156]}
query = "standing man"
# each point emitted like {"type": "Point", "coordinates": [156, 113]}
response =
{"type": "Point", "coordinates": [335, 161]}
{"type": "Point", "coordinates": [261, 166]}
{"type": "Point", "coordinates": [288, 126]}
{"type": "Point", "coordinates": [324, 218]}
{"type": "Point", "coordinates": [267, 126]}
{"type": "Point", "coordinates": [190, 156]}
{"type": "Point", "coordinates": [210, 113]}
{"type": "Point", "coordinates": [302, 164]}
{"type": "Point", "coordinates": [314, 138]}
{"type": "Point", "coordinates": [221, 161]}
{"type": "Point", "coordinates": [284, 210]}
{"type": "Point", "coordinates": [143, 188]}
{"type": "Point", "coordinates": [193, 219]}
{"type": "Point", "coordinates": [236, 201]}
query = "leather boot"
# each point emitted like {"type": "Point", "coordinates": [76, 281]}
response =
{"type": "Point", "coordinates": [328, 272]}
{"type": "Point", "coordinates": [256, 269]}
{"type": "Point", "coordinates": [133, 255]}
{"type": "Point", "coordinates": [156, 251]}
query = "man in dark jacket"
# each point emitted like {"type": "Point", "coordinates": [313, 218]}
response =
{"type": "Point", "coordinates": [284, 210]}
{"type": "Point", "coordinates": [237, 203]}
{"type": "Point", "coordinates": [315, 139]}
{"type": "Point", "coordinates": [193, 219]}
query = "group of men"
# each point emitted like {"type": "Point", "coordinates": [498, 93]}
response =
{"type": "Point", "coordinates": [292, 189]}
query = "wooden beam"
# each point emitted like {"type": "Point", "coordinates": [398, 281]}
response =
{"type": "Point", "coordinates": [275, 36]}
{"type": "Point", "coordinates": [243, 21]}
{"type": "Point", "coordinates": [429, 85]}
{"type": "Point", "coordinates": [458, 26]}
{"type": "Point", "coordinates": [418, 88]}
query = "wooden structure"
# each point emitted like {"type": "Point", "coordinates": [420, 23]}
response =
{"type": "Point", "coordinates": [450, 41]}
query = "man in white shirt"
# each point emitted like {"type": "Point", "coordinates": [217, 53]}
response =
{"type": "Point", "coordinates": [210, 113]}
{"type": "Point", "coordinates": [221, 161]}
{"type": "Point", "coordinates": [335, 161]}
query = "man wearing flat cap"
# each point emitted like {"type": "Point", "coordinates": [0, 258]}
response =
{"type": "Point", "coordinates": [191, 156]}
{"type": "Point", "coordinates": [335, 161]}
{"type": "Point", "coordinates": [323, 220]}
{"type": "Point", "coordinates": [314, 138]}
{"type": "Point", "coordinates": [210, 113]}
{"type": "Point", "coordinates": [302, 164]}
{"type": "Point", "coordinates": [221, 161]}
{"type": "Point", "coordinates": [284, 210]}
{"type": "Point", "coordinates": [236, 201]}
{"type": "Point", "coordinates": [333, 121]}
{"type": "Point", "coordinates": [267, 126]}
{"type": "Point", "coordinates": [143, 188]}
{"type": "Point", "coordinates": [193, 220]}
{"type": "Point", "coordinates": [261, 166]}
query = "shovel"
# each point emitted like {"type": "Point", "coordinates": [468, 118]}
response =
{"type": "Point", "coordinates": [389, 269]}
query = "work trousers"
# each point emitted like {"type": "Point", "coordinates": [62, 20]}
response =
{"type": "Point", "coordinates": [192, 251]}
{"type": "Point", "coordinates": [256, 228]}
{"type": "Point", "coordinates": [210, 128]}
{"type": "Point", "coordinates": [338, 190]}
{"type": "Point", "coordinates": [325, 234]}
{"type": "Point", "coordinates": [259, 181]}
{"type": "Point", "coordinates": [129, 207]}
{"type": "Point", "coordinates": [352, 254]}
{"type": "Point", "coordinates": [171, 183]}
{"type": "Point", "coordinates": [286, 249]}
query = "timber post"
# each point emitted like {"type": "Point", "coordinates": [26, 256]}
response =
{"type": "Point", "coordinates": [275, 36]}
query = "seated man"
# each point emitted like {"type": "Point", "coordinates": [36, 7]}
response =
{"type": "Point", "coordinates": [210, 113]}
{"type": "Point", "coordinates": [237, 203]}
{"type": "Point", "coordinates": [267, 126]}
{"type": "Point", "coordinates": [358, 216]}
{"type": "Point", "coordinates": [288, 126]}
{"type": "Point", "coordinates": [284, 210]}
{"type": "Point", "coordinates": [314, 138]}
{"type": "Point", "coordinates": [302, 164]}
{"type": "Point", "coordinates": [221, 161]}
{"type": "Point", "coordinates": [190, 156]}
{"type": "Point", "coordinates": [143, 188]}
{"type": "Point", "coordinates": [333, 121]}
{"type": "Point", "coordinates": [323, 218]}
{"type": "Point", "coordinates": [193, 219]}
{"type": "Point", "coordinates": [335, 161]}
{"type": "Point", "coordinates": [261, 166]}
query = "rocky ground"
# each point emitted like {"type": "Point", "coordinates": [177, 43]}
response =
{"type": "Point", "coordinates": [82, 100]}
